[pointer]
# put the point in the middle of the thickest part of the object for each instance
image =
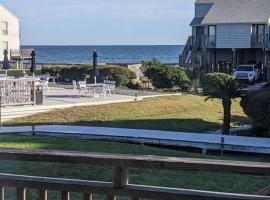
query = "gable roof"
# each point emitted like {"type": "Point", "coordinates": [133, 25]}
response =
{"type": "Point", "coordinates": [237, 11]}
{"type": "Point", "coordinates": [9, 11]}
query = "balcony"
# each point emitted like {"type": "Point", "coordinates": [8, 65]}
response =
{"type": "Point", "coordinates": [20, 54]}
{"type": "Point", "coordinates": [259, 41]}
{"type": "Point", "coordinates": [120, 185]}
{"type": "Point", "coordinates": [210, 42]}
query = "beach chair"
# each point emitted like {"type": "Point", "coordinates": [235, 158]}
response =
{"type": "Point", "coordinates": [44, 83]}
{"type": "Point", "coordinates": [112, 86]}
{"type": "Point", "coordinates": [82, 88]}
{"type": "Point", "coordinates": [100, 91]}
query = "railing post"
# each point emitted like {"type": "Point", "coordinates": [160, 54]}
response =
{"type": "Point", "coordinates": [120, 179]}
{"type": "Point", "coordinates": [65, 195]}
{"type": "Point", "coordinates": [120, 176]}
{"type": "Point", "coordinates": [109, 197]}
{"type": "Point", "coordinates": [87, 196]}
{"type": "Point", "coordinates": [2, 192]}
{"type": "Point", "coordinates": [42, 195]}
{"type": "Point", "coordinates": [21, 193]}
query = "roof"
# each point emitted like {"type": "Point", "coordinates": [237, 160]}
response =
{"type": "Point", "coordinates": [197, 21]}
{"type": "Point", "coordinates": [9, 11]}
{"type": "Point", "coordinates": [205, 1]}
{"type": "Point", "coordinates": [237, 11]}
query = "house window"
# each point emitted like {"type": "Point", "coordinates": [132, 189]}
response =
{"type": "Point", "coordinates": [5, 45]}
{"type": "Point", "coordinates": [212, 34]}
{"type": "Point", "coordinates": [4, 28]}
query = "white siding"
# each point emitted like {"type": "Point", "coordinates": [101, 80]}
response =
{"type": "Point", "coordinates": [13, 36]}
{"type": "Point", "coordinates": [234, 36]}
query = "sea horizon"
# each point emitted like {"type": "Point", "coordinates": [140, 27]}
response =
{"type": "Point", "coordinates": [112, 54]}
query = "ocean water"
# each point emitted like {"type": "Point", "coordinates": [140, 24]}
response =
{"type": "Point", "coordinates": [107, 54]}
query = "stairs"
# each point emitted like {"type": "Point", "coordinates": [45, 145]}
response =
{"type": "Point", "coordinates": [187, 59]}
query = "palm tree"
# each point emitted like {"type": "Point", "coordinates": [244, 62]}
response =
{"type": "Point", "coordinates": [225, 87]}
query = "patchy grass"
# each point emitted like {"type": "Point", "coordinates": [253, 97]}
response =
{"type": "Point", "coordinates": [173, 113]}
{"type": "Point", "coordinates": [169, 178]}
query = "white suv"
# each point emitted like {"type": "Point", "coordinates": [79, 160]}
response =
{"type": "Point", "coordinates": [250, 73]}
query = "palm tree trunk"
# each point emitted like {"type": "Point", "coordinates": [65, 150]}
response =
{"type": "Point", "coordinates": [227, 104]}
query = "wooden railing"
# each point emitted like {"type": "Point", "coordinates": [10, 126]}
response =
{"type": "Point", "coordinates": [120, 186]}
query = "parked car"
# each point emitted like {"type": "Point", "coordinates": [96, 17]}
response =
{"type": "Point", "coordinates": [250, 73]}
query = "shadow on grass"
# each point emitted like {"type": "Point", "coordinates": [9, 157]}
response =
{"type": "Point", "coordinates": [185, 125]}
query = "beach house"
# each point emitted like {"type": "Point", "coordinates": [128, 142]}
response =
{"type": "Point", "coordinates": [9, 31]}
{"type": "Point", "coordinates": [226, 33]}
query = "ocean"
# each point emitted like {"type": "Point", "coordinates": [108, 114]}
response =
{"type": "Point", "coordinates": [107, 54]}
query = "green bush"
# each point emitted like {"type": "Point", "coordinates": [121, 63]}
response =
{"type": "Point", "coordinates": [52, 70]}
{"type": "Point", "coordinates": [19, 73]}
{"type": "Point", "coordinates": [121, 75]}
{"type": "Point", "coordinates": [257, 106]}
{"type": "Point", "coordinates": [166, 76]}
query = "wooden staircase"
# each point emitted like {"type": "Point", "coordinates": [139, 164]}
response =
{"type": "Point", "coordinates": [188, 57]}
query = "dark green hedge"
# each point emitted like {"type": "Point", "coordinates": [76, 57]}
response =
{"type": "Point", "coordinates": [19, 73]}
{"type": "Point", "coordinates": [121, 75]}
{"type": "Point", "coordinates": [257, 106]}
{"type": "Point", "coordinates": [166, 76]}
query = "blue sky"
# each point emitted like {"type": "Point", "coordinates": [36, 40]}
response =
{"type": "Point", "coordinates": [103, 22]}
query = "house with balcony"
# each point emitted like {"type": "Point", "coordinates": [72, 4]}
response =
{"type": "Point", "coordinates": [9, 31]}
{"type": "Point", "coordinates": [226, 33]}
{"type": "Point", "coordinates": [10, 37]}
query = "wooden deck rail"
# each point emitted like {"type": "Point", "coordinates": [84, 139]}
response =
{"type": "Point", "coordinates": [120, 186]}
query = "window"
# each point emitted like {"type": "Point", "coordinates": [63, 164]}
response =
{"type": "Point", "coordinates": [212, 34]}
{"type": "Point", "coordinates": [260, 29]}
{"type": "Point", "coordinates": [5, 45]}
{"type": "Point", "coordinates": [4, 28]}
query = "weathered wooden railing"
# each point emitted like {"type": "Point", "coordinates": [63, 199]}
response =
{"type": "Point", "coordinates": [120, 186]}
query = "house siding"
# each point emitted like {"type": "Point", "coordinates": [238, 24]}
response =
{"type": "Point", "coordinates": [233, 36]}
{"type": "Point", "coordinates": [13, 37]}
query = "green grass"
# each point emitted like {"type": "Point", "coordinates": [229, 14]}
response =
{"type": "Point", "coordinates": [173, 113]}
{"type": "Point", "coordinates": [169, 178]}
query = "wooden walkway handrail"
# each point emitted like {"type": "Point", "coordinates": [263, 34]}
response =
{"type": "Point", "coordinates": [265, 191]}
{"type": "Point", "coordinates": [136, 161]}
{"type": "Point", "coordinates": [158, 193]}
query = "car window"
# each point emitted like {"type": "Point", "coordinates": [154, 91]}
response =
{"type": "Point", "coordinates": [245, 68]}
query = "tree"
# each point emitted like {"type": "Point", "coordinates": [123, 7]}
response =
{"type": "Point", "coordinates": [256, 105]}
{"type": "Point", "coordinates": [225, 87]}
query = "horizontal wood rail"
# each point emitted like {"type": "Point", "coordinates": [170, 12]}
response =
{"type": "Point", "coordinates": [120, 185]}
{"type": "Point", "coordinates": [159, 193]}
{"type": "Point", "coordinates": [156, 162]}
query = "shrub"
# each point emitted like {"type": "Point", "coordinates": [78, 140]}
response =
{"type": "Point", "coordinates": [19, 73]}
{"type": "Point", "coordinates": [257, 106]}
{"type": "Point", "coordinates": [166, 76]}
{"type": "Point", "coordinates": [121, 75]}
{"type": "Point", "coordinates": [52, 70]}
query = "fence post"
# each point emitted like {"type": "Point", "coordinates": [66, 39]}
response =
{"type": "Point", "coordinates": [87, 196]}
{"type": "Point", "coordinates": [65, 195]}
{"type": "Point", "coordinates": [21, 193]}
{"type": "Point", "coordinates": [42, 195]}
{"type": "Point", "coordinates": [120, 176]}
{"type": "Point", "coordinates": [2, 192]}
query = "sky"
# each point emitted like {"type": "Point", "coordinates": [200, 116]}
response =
{"type": "Point", "coordinates": [103, 22]}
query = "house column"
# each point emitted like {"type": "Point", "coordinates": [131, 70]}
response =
{"type": "Point", "coordinates": [234, 58]}
{"type": "Point", "coordinates": [267, 66]}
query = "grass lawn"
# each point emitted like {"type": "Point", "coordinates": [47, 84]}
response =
{"type": "Point", "coordinates": [180, 179]}
{"type": "Point", "coordinates": [174, 113]}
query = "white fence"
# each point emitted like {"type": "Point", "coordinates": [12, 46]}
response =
{"type": "Point", "coordinates": [17, 92]}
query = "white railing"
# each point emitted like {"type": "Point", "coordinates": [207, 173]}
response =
{"type": "Point", "coordinates": [20, 53]}
{"type": "Point", "coordinates": [17, 92]}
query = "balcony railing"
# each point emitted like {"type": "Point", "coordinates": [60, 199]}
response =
{"type": "Point", "coordinates": [260, 41]}
{"type": "Point", "coordinates": [18, 54]}
{"type": "Point", "coordinates": [120, 186]}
